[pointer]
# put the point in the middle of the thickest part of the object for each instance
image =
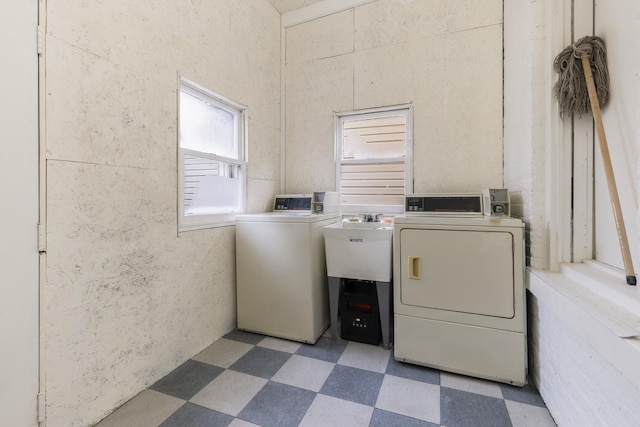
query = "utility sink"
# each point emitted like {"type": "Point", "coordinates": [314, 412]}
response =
{"type": "Point", "coordinates": [359, 250]}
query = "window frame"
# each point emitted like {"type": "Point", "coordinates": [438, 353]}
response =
{"type": "Point", "coordinates": [212, 220]}
{"type": "Point", "coordinates": [372, 113]}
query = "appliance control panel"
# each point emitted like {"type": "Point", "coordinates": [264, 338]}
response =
{"type": "Point", "coordinates": [444, 204]}
{"type": "Point", "coordinates": [293, 203]}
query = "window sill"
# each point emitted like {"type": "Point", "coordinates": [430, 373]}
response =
{"type": "Point", "coordinates": [595, 302]}
{"type": "Point", "coordinates": [601, 291]}
{"type": "Point", "coordinates": [195, 226]}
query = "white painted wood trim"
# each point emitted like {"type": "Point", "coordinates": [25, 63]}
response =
{"type": "Point", "coordinates": [558, 208]}
{"type": "Point", "coordinates": [283, 106]}
{"type": "Point", "coordinates": [19, 186]}
{"type": "Point", "coordinates": [583, 140]}
{"type": "Point", "coordinates": [42, 208]}
{"type": "Point", "coordinates": [570, 150]}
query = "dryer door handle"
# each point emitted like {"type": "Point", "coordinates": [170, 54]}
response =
{"type": "Point", "coordinates": [414, 267]}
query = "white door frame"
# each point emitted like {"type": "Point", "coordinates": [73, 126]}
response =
{"type": "Point", "coordinates": [19, 182]}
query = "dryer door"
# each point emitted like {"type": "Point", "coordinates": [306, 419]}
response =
{"type": "Point", "coordinates": [463, 271]}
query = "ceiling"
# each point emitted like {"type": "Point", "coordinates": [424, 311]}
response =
{"type": "Point", "coordinates": [284, 6]}
{"type": "Point", "coordinates": [296, 12]}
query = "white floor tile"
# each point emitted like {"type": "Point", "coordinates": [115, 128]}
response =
{"type": "Point", "coordinates": [470, 384]}
{"type": "Point", "coordinates": [279, 344]}
{"type": "Point", "coordinates": [304, 372]}
{"type": "Point", "coordinates": [229, 392]}
{"type": "Point", "coordinates": [148, 409]}
{"type": "Point", "coordinates": [523, 415]}
{"type": "Point", "coordinates": [237, 422]}
{"type": "Point", "coordinates": [223, 353]}
{"type": "Point", "coordinates": [330, 411]}
{"type": "Point", "coordinates": [411, 398]}
{"type": "Point", "coordinates": [365, 356]}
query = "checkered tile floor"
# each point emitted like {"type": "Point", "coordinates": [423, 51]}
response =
{"type": "Point", "coordinates": [246, 379]}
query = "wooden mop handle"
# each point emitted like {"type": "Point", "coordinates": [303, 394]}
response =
{"type": "Point", "coordinates": [608, 170]}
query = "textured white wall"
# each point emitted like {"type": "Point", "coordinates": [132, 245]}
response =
{"type": "Point", "coordinates": [444, 57]}
{"type": "Point", "coordinates": [126, 299]}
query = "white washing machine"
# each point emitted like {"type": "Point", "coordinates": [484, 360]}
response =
{"type": "Point", "coordinates": [282, 288]}
{"type": "Point", "coordinates": [459, 295]}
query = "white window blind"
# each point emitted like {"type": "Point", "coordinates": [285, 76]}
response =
{"type": "Point", "coordinates": [374, 158]}
{"type": "Point", "coordinates": [210, 185]}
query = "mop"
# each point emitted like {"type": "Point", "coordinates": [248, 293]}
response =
{"type": "Point", "coordinates": [583, 86]}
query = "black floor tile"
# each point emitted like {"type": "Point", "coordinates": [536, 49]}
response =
{"type": "Point", "coordinates": [278, 405]}
{"type": "Point", "coordinates": [261, 362]}
{"type": "Point", "coordinates": [327, 349]}
{"type": "Point", "coordinates": [463, 409]}
{"type": "Point", "coordinates": [413, 372]}
{"type": "Point", "coordinates": [196, 416]}
{"type": "Point", "coordinates": [244, 336]}
{"type": "Point", "coordinates": [527, 394]}
{"type": "Point", "coordinates": [353, 384]}
{"type": "Point", "coordinates": [385, 419]}
{"type": "Point", "coordinates": [187, 379]}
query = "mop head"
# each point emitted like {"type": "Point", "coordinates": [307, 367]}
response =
{"type": "Point", "coordinates": [571, 87]}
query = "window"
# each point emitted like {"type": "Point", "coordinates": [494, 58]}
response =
{"type": "Point", "coordinates": [211, 165]}
{"type": "Point", "coordinates": [373, 168]}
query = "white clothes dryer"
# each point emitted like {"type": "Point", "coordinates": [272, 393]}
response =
{"type": "Point", "coordinates": [459, 295]}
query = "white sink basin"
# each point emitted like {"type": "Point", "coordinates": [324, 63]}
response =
{"type": "Point", "coordinates": [360, 250]}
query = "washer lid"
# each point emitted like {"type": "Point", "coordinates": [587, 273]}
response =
{"type": "Point", "coordinates": [288, 217]}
